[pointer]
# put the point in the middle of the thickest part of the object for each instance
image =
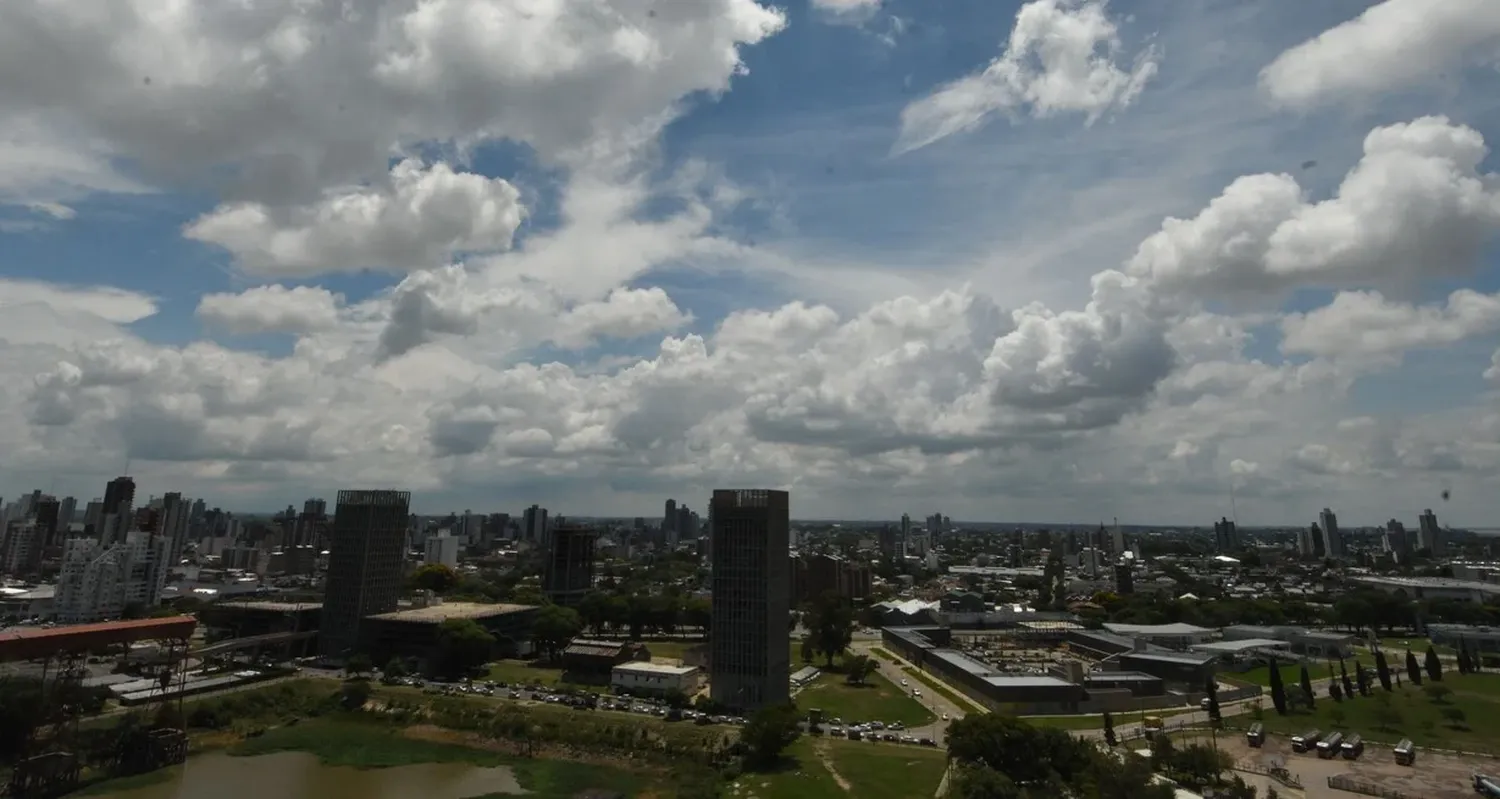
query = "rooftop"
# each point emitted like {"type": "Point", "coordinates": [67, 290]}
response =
{"type": "Point", "coordinates": [642, 667]}
{"type": "Point", "coordinates": [1184, 658]}
{"type": "Point", "coordinates": [433, 614]}
{"type": "Point", "coordinates": [1242, 645]}
{"type": "Point", "coordinates": [272, 607]}
{"type": "Point", "coordinates": [1157, 629]}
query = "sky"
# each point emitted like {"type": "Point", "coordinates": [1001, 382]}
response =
{"type": "Point", "coordinates": [1053, 261]}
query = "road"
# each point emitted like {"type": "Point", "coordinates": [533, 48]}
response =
{"type": "Point", "coordinates": [929, 699]}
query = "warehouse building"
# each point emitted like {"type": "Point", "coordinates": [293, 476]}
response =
{"type": "Point", "coordinates": [1301, 641]}
{"type": "Point", "coordinates": [656, 679]}
{"type": "Point", "coordinates": [1013, 693]}
{"type": "Point", "coordinates": [413, 632]}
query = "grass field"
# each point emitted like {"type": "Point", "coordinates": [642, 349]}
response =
{"type": "Point", "coordinates": [870, 771]}
{"type": "Point", "coordinates": [1412, 714]}
{"type": "Point", "coordinates": [877, 700]}
{"type": "Point", "coordinates": [1291, 674]}
{"type": "Point", "coordinates": [369, 746]}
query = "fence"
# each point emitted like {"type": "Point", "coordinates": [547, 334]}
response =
{"type": "Point", "coordinates": [1280, 775]}
{"type": "Point", "coordinates": [1367, 788]}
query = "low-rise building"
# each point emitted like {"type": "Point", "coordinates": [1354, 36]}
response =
{"type": "Point", "coordinates": [1172, 636]}
{"type": "Point", "coordinates": [413, 632]}
{"type": "Point", "coordinates": [656, 679]}
{"type": "Point", "coordinates": [588, 656]}
{"type": "Point", "coordinates": [1302, 641]}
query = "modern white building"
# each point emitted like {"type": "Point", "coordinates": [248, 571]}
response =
{"type": "Point", "coordinates": [99, 580]}
{"type": "Point", "coordinates": [655, 678]}
{"type": "Point", "coordinates": [442, 548]}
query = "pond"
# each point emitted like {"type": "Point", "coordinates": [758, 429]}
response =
{"type": "Point", "coordinates": [297, 775]}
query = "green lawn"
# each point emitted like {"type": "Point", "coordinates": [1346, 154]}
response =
{"type": "Point", "coordinates": [871, 771]}
{"type": "Point", "coordinates": [886, 772]}
{"type": "Point", "coordinates": [1413, 715]}
{"type": "Point", "coordinates": [511, 672]}
{"type": "Point", "coordinates": [1291, 674]}
{"type": "Point", "coordinates": [1398, 645]}
{"type": "Point", "coordinates": [876, 700]}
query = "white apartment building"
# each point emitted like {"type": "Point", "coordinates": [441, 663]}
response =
{"type": "Point", "coordinates": [442, 548]}
{"type": "Point", "coordinates": [99, 580]}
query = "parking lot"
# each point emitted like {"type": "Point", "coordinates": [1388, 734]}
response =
{"type": "Point", "coordinates": [1435, 776]}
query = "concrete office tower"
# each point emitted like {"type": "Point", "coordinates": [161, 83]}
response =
{"type": "Point", "coordinates": [1431, 536]}
{"type": "Point", "coordinates": [46, 510]}
{"type": "Point", "coordinates": [568, 574]}
{"type": "Point", "coordinates": [365, 564]}
{"type": "Point", "coordinates": [174, 523]}
{"type": "Point", "coordinates": [1308, 540]}
{"type": "Point", "coordinates": [119, 496]}
{"type": "Point", "coordinates": [66, 513]}
{"type": "Point", "coordinates": [534, 525]}
{"type": "Point", "coordinates": [1333, 542]}
{"type": "Point", "coordinates": [1226, 536]}
{"type": "Point", "coordinates": [748, 644]}
{"type": "Point", "coordinates": [669, 523]}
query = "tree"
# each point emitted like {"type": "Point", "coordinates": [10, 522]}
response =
{"type": "Point", "coordinates": [768, 733]}
{"type": "Point", "coordinates": [1463, 659]}
{"type": "Point", "coordinates": [1336, 715]}
{"type": "Point", "coordinates": [858, 668]}
{"type": "Point", "coordinates": [1387, 717]}
{"type": "Point", "coordinates": [1109, 730]}
{"type": "Point", "coordinates": [553, 628]}
{"type": "Point", "coordinates": [1434, 666]}
{"type": "Point", "coordinates": [394, 670]}
{"type": "Point", "coordinates": [809, 652]}
{"type": "Point", "coordinates": [463, 646]}
{"type": "Point", "coordinates": [21, 713]}
{"type": "Point", "coordinates": [831, 625]}
{"type": "Point", "coordinates": [1211, 687]}
{"type": "Point", "coordinates": [1455, 717]}
{"type": "Point", "coordinates": [1413, 671]}
{"type": "Point", "coordinates": [1278, 691]}
{"type": "Point", "coordinates": [1334, 690]}
{"type": "Point", "coordinates": [1344, 678]}
{"type": "Point", "coordinates": [358, 664]}
{"type": "Point", "coordinates": [438, 578]}
{"type": "Point", "coordinates": [1307, 687]}
{"type": "Point", "coordinates": [1438, 693]}
{"type": "Point", "coordinates": [1361, 680]}
{"type": "Point", "coordinates": [1383, 670]}
{"type": "Point", "coordinates": [354, 695]}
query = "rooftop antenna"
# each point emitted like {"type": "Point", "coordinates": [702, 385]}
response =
{"type": "Point", "coordinates": [1234, 515]}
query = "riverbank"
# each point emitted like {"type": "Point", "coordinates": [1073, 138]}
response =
{"type": "Point", "coordinates": [550, 753]}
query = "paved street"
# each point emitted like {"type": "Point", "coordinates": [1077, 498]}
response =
{"type": "Point", "coordinates": [930, 699]}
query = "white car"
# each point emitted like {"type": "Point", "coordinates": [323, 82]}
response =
{"type": "Point", "coordinates": [945, 717]}
{"type": "Point", "coordinates": [904, 683]}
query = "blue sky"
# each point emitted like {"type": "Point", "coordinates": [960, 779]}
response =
{"type": "Point", "coordinates": [804, 195]}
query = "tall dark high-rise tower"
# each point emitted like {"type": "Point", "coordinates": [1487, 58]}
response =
{"type": "Point", "coordinates": [569, 572]}
{"type": "Point", "coordinates": [750, 660]}
{"type": "Point", "coordinates": [119, 495]}
{"type": "Point", "coordinates": [366, 553]}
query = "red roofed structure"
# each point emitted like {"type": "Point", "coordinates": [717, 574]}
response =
{"type": "Point", "coordinates": [28, 643]}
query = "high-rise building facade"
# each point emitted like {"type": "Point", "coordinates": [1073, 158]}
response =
{"type": "Point", "coordinates": [534, 525]}
{"type": "Point", "coordinates": [1333, 541]}
{"type": "Point", "coordinates": [99, 581]}
{"type": "Point", "coordinates": [366, 557]}
{"type": "Point", "coordinates": [175, 512]}
{"type": "Point", "coordinates": [568, 574]}
{"type": "Point", "coordinates": [749, 660]}
{"type": "Point", "coordinates": [119, 496]}
{"type": "Point", "coordinates": [1226, 536]}
{"type": "Point", "coordinates": [1432, 538]}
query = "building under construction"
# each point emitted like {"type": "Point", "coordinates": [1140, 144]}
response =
{"type": "Point", "coordinates": [51, 762]}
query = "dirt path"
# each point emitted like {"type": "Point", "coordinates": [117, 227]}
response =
{"type": "Point", "coordinates": [827, 761]}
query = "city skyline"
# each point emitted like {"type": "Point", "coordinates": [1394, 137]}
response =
{"type": "Point", "coordinates": [1043, 260]}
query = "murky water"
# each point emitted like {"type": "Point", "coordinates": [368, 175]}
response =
{"type": "Point", "coordinates": [296, 775]}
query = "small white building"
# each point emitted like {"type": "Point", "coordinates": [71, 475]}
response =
{"type": "Point", "coordinates": [655, 678]}
{"type": "Point", "coordinates": [442, 548]}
